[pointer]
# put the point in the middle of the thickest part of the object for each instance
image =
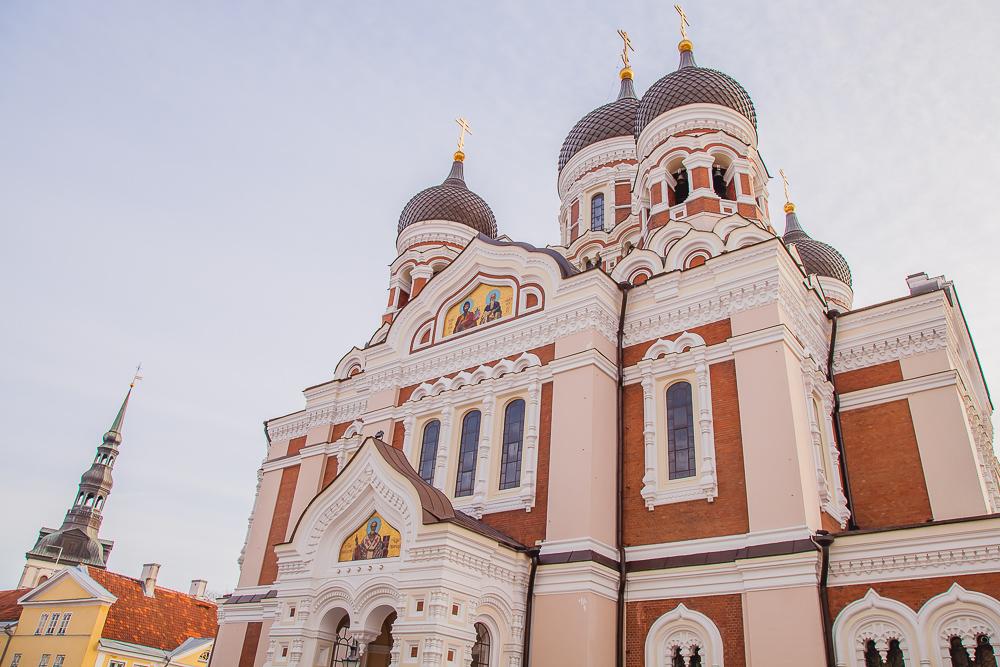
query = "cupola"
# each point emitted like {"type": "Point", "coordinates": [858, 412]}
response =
{"type": "Point", "coordinates": [818, 258]}
{"type": "Point", "coordinates": [452, 201]}
{"type": "Point", "coordinates": [616, 119]}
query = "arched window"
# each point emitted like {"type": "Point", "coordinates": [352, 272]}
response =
{"type": "Point", "coordinates": [597, 213]}
{"type": "Point", "coordinates": [680, 431]}
{"type": "Point", "coordinates": [465, 481]}
{"type": "Point", "coordinates": [985, 655]}
{"type": "Point", "coordinates": [100, 503]}
{"type": "Point", "coordinates": [513, 437]}
{"type": "Point", "coordinates": [428, 450]}
{"type": "Point", "coordinates": [719, 181]}
{"type": "Point", "coordinates": [481, 649]}
{"type": "Point", "coordinates": [681, 188]}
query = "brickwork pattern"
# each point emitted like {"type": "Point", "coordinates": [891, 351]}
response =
{"type": "Point", "coordinates": [871, 376]}
{"type": "Point", "coordinates": [250, 641]}
{"type": "Point", "coordinates": [279, 524]}
{"type": "Point", "coordinates": [883, 463]}
{"type": "Point", "coordinates": [713, 333]}
{"type": "Point", "coordinates": [913, 592]}
{"type": "Point", "coordinates": [726, 611]}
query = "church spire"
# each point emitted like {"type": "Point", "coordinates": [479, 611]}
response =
{"type": "Point", "coordinates": [77, 540]}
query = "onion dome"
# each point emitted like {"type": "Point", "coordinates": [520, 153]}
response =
{"type": "Point", "coordinates": [616, 119]}
{"type": "Point", "coordinates": [691, 84]}
{"type": "Point", "coordinates": [817, 257]}
{"type": "Point", "coordinates": [452, 201]}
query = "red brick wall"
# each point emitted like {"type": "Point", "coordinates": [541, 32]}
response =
{"type": "Point", "coordinates": [872, 376]}
{"type": "Point", "coordinates": [699, 177]}
{"type": "Point", "coordinates": [727, 514]}
{"type": "Point", "coordinates": [529, 527]}
{"type": "Point", "coordinates": [913, 592]}
{"type": "Point", "coordinates": [713, 333]}
{"type": "Point", "coordinates": [295, 445]}
{"type": "Point", "coordinates": [659, 219]}
{"type": "Point", "coordinates": [726, 611]}
{"type": "Point", "coordinates": [622, 214]}
{"type": "Point", "coordinates": [329, 471]}
{"type": "Point", "coordinates": [279, 524]}
{"type": "Point", "coordinates": [702, 204]}
{"type": "Point", "coordinates": [250, 641]}
{"type": "Point", "coordinates": [883, 462]}
{"type": "Point", "coordinates": [623, 193]}
{"type": "Point", "coordinates": [655, 194]}
{"type": "Point", "coordinates": [398, 433]}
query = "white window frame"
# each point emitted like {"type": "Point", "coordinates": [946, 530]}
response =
{"type": "Point", "coordinates": [116, 663]}
{"type": "Point", "coordinates": [825, 452]}
{"type": "Point", "coordinates": [44, 660]}
{"type": "Point", "coordinates": [488, 389]}
{"type": "Point", "coordinates": [685, 629]}
{"type": "Point", "coordinates": [43, 620]}
{"type": "Point", "coordinates": [64, 623]}
{"type": "Point", "coordinates": [53, 622]}
{"type": "Point", "coordinates": [60, 659]}
{"type": "Point", "coordinates": [16, 660]}
{"type": "Point", "coordinates": [664, 364]}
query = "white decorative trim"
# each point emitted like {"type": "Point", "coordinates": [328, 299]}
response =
{"type": "Point", "coordinates": [890, 348]}
{"type": "Point", "coordinates": [687, 631]}
{"type": "Point", "coordinates": [958, 613]}
{"type": "Point", "coordinates": [581, 577]}
{"type": "Point", "coordinates": [895, 391]}
{"type": "Point", "coordinates": [826, 454]}
{"type": "Point", "coordinates": [686, 353]}
{"type": "Point", "coordinates": [878, 619]}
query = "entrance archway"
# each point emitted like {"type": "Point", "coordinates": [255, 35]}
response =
{"type": "Point", "coordinates": [379, 653]}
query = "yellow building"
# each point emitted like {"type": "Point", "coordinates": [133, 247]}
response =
{"type": "Point", "coordinates": [89, 617]}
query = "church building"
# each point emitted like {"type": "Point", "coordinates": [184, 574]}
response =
{"type": "Point", "coordinates": [670, 439]}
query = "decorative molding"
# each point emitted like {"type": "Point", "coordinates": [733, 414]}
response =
{"type": "Point", "coordinates": [680, 632]}
{"type": "Point", "coordinates": [890, 348]}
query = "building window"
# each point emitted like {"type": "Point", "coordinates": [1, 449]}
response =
{"type": "Point", "coordinates": [513, 437]}
{"type": "Point", "coordinates": [116, 663]}
{"type": "Point", "coordinates": [44, 661]}
{"type": "Point", "coordinates": [481, 649]}
{"type": "Point", "coordinates": [16, 660]}
{"type": "Point", "coordinates": [64, 624]}
{"type": "Point", "coordinates": [465, 481]}
{"type": "Point", "coordinates": [53, 621]}
{"type": "Point", "coordinates": [59, 661]}
{"type": "Point", "coordinates": [428, 450]}
{"type": "Point", "coordinates": [680, 431]}
{"type": "Point", "coordinates": [42, 620]}
{"type": "Point", "coordinates": [597, 213]}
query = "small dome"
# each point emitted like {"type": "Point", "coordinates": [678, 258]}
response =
{"type": "Point", "coordinates": [817, 257]}
{"type": "Point", "coordinates": [616, 119]}
{"type": "Point", "coordinates": [98, 475]}
{"type": "Point", "coordinates": [452, 201]}
{"type": "Point", "coordinates": [691, 84]}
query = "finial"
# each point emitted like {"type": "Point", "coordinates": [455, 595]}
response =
{"type": "Point", "coordinates": [789, 206]}
{"type": "Point", "coordinates": [464, 125]}
{"type": "Point", "coordinates": [626, 72]}
{"type": "Point", "coordinates": [685, 43]}
{"type": "Point", "coordinates": [137, 376]}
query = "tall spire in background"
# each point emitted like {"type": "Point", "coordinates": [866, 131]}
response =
{"type": "Point", "coordinates": [77, 540]}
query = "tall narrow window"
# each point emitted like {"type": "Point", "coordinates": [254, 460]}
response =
{"type": "Point", "coordinates": [597, 213]}
{"type": "Point", "coordinates": [985, 655]}
{"type": "Point", "coordinates": [680, 431]}
{"type": "Point", "coordinates": [481, 649]}
{"type": "Point", "coordinates": [42, 620]}
{"type": "Point", "coordinates": [959, 656]}
{"type": "Point", "coordinates": [64, 623]}
{"type": "Point", "coordinates": [44, 661]}
{"type": "Point", "coordinates": [16, 662]}
{"type": "Point", "coordinates": [513, 437]}
{"type": "Point", "coordinates": [53, 621]}
{"type": "Point", "coordinates": [465, 481]}
{"type": "Point", "coordinates": [59, 660]}
{"type": "Point", "coordinates": [428, 450]}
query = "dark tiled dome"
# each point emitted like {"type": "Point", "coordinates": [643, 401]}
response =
{"type": "Point", "coordinates": [817, 257]}
{"type": "Point", "coordinates": [616, 119]}
{"type": "Point", "coordinates": [691, 84]}
{"type": "Point", "coordinates": [453, 201]}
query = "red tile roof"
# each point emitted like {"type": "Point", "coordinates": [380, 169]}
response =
{"type": "Point", "coordinates": [163, 621]}
{"type": "Point", "coordinates": [10, 610]}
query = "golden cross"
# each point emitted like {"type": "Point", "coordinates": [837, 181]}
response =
{"type": "Point", "coordinates": [684, 21]}
{"type": "Point", "coordinates": [464, 124]}
{"type": "Point", "coordinates": [626, 47]}
{"type": "Point", "coordinates": [137, 376]}
{"type": "Point", "coordinates": [784, 180]}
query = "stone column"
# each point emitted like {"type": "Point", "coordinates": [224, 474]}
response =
{"type": "Point", "coordinates": [481, 488]}
{"type": "Point", "coordinates": [444, 445]}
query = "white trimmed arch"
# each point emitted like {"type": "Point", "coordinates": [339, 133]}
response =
{"type": "Point", "coordinates": [685, 629]}
{"type": "Point", "coordinates": [958, 613]}
{"type": "Point", "coordinates": [878, 619]}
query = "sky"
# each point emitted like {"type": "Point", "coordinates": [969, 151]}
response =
{"type": "Point", "coordinates": [213, 189]}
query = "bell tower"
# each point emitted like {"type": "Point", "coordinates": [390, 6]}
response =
{"type": "Point", "coordinates": [77, 541]}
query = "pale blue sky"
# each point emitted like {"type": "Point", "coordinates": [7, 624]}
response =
{"type": "Point", "coordinates": [213, 189]}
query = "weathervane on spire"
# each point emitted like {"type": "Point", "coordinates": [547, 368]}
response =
{"type": "Point", "coordinates": [137, 376]}
{"type": "Point", "coordinates": [684, 22]}
{"type": "Point", "coordinates": [789, 206]}
{"type": "Point", "coordinates": [626, 47]}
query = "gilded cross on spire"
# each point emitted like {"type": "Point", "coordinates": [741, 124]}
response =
{"type": "Point", "coordinates": [137, 376]}
{"type": "Point", "coordinates": [626, 47]}
{"type": "Point", "coordinates": [789, 206]}
{"type": "Point", "coordinates": [684, 22]}
{"type": "Point", "coordinates": [464, 124]}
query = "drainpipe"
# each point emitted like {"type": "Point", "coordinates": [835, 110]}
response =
{"type": "Point", "coordinates": [852, 523]}
{"type": "Point", "coordinates": [620, 482]}
{"type": "Point", "coordinates": [823, 540]}
{"type": "Point", "coordinates": [525, 655]}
